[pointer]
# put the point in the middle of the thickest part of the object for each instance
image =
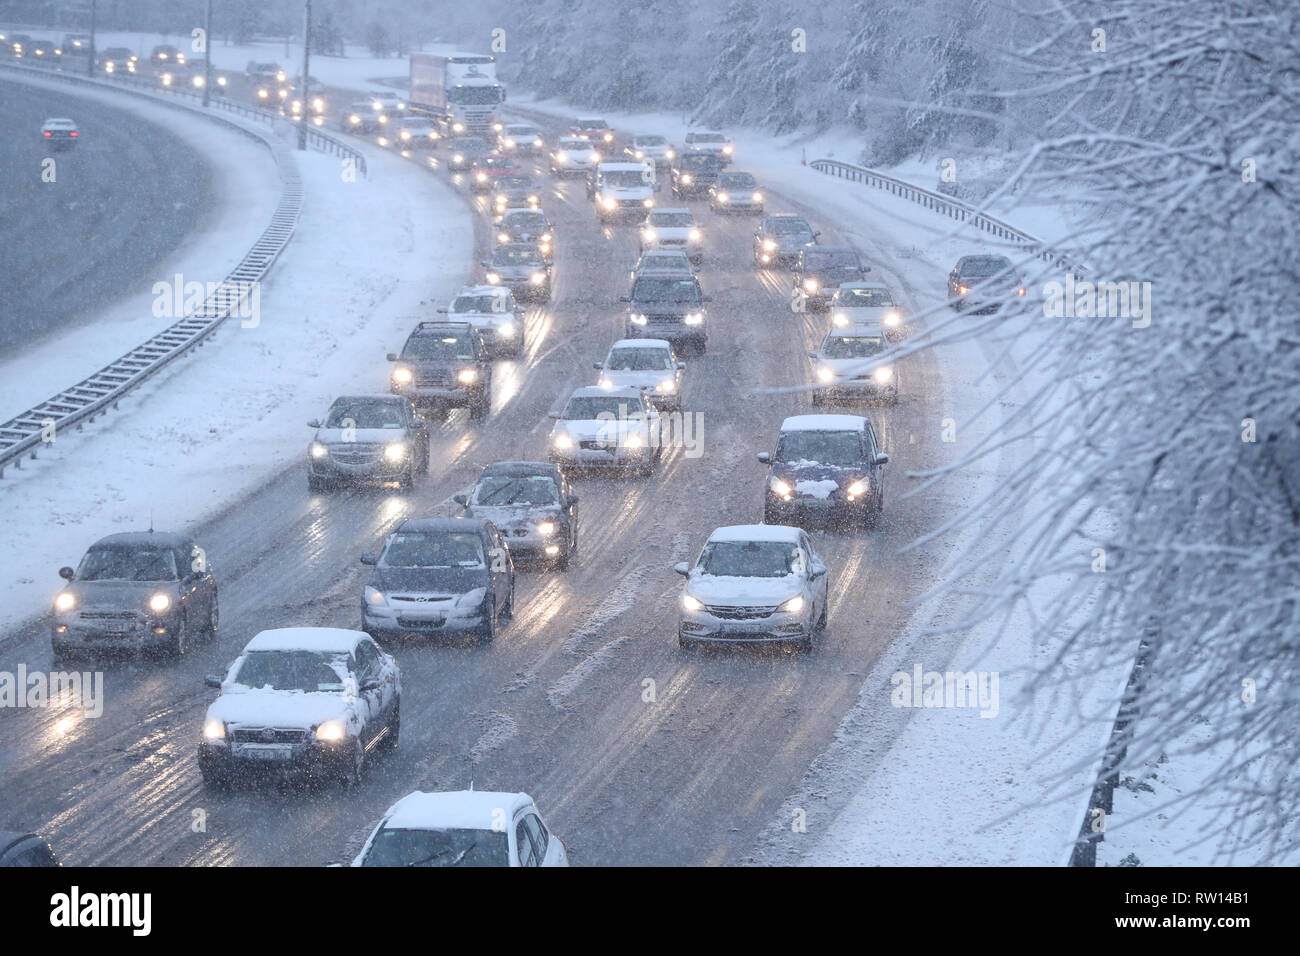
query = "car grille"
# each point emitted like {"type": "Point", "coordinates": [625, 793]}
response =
{"type": "Point", "coordinates": [669, 243]}
{"type": "Point", "coordinates": [268, 735]}
{"type": "Point", "coordinates": [729, 613]}
{"type": "Point", "coordinates": [434, 379]}
{"type": "Point", "coordinates": [419, 598]}
{"type": "Point", "coordinates": [108, 615]}
{"type": "Point", "coordinates": [356, 454]}
{"type": "Point", "coordinates": [597, 445]}
{"type": "Point", "coordinates": [665, 320]}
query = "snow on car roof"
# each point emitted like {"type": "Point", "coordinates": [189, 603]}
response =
{"type": "Point", "coordinates": [59, 121]}
{"type": "Point", "coordinates": [326, 639]}
{"type": "Point", "coordinates": [640, 344]}
{"type": "Point", "coordinates": [496, 290]}
{"type": "Point", "coordinates": [620, 167]}
{"type": "Point", "coordinates": [756, 532]}
{"type": "Point", "coordinates": [824, 423]}
{"type": "Point", "coordinates": [673, 209]}
{"type": "Point", "coordinates": [619, 392]}
{"type": "Point", "coordinates": [454, 810]}
{"type": "Point", "coordinates": [864, 285]}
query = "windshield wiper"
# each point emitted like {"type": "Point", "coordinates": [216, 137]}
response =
{"type": "Point", "coordinates": [463, 853]}
{"type": "Point", "coordinates": [430, 859]}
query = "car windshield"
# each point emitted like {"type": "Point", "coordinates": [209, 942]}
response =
{"type": "Point", "coordinates": [434, 549]}
{"type": "Point", "coordinates": [469, 144]}
{"type": "Point", "coordinates": [829, 260]}
{"type": "Point", "coordinates": [666, 289]}
{"type": "Point", "coordinates": [698, 161]}
{"type": "Point", "coordinates": [522, 132]}
{"type": "Point", "coordinates": [364, 415]}
{"type": "Point", "coordinates": [496, 162]}
{"type": "Point", "coordinates": [788, 227]}
{"type": "Point", "coordinates": [864, 298]}
{"type": "Point", "coordinates": [516, 257]}
{"type": "Point", "coordinates": [676, 262]}
{"type": "Point", "coordinates": [479, 303]}
{"type": "Point", "coordinates": [590, 408]}
{"type": "Point", "coordinates": [311, 672]}
{"type": "Point", "coordinates": [439, 848]}
{"type": "Point", "coordinates": [852, 346]}
{"type": "Point", "coordinates": [576, 143]}
{"type": "Point", "coordinates": [128, 564]}
{"type": "Point", "coordinates": [514, 182]}
{"type": "Point", "coordinates": [708, 138]}
{"type": "Point", "coordinates": [639, 360]}
{"type": "Point", "coordinates": [525, 220]}
{"type": "Point", "coordinates": [624, 177]}
{"type": "Point", "coordinates": [439, 347]}
{"type": "Point", "coordinates": [516, 490]}
{"type": "Point", "coordinates": [748, 559]}
{"type": "Point", "coordinates": [987, 266]}
{"type": "Point", "coordinates": [413, 122]}
{"type": "Point", "coordinates": [737, 181]}
{"type": "Point", "coordinates": [591, 124]}
{"type": "Point", "coordinates": [672, 219]}
{"type": "Point", "coordinates": [822, 447]}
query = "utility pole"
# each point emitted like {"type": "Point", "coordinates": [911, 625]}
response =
{"type": "Point", "coordinates": [305, 95]}
{"type": "Point", "coordinates": [207, 55]}
{"type": "Point", "coordinates": [90, 67]}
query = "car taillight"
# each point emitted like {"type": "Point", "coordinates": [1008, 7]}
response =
{"type": "Point", "coordinates": [73, 133]}
{"type": "Point", "coordinates": [48, 133]}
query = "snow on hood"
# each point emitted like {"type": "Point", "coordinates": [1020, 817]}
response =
{"type": "Point", "coordinates": [334, 436]}
{"type": "Point", "coordinates": [743, 592]}
{"type": "Point", "coordinates": [816, 489]}
{"type": "Point", "coordinates": [638, 379]}
{"type": "Point", "coordinates": [593, 430]}
{"type": "Point", "coordinates": [813, 472]}
{"type": "Point", "coordinates": [239, 705]}
{"type": "Point", "coordinates": [512, 516]}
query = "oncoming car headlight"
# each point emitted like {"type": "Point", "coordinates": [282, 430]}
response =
{"type": "Point", "coordinates": [810, 285]}
{"type": "Point", "coordinates": [857, 489]}
{"type": "Point", "coordinates": [793, 606]}
{"type": "Point", "coordinates": [648, 203]}
{"type": "Point", "coordinates": [694, 318]}
{"type": "Point", "coordinates": [840, 319]}
{"type": "Point", "coordinates": [728, 150]}
{"type": "Point", "coordinates": [758, 197]}
{"type": "Point", "coordinates": [648, 234]}
{"type": "Point", "coordinates": [318, 450]}
{"type": "Point", "coordinates": [402, 376]}
{"type": "Point", "coordinates": [769, 245]}
{"type": "Point", "coordinates": [214, 730]}
{"type": "Point", "coordinates": [825, 375]}
{"type": "Point", "coordinates": [638, 319]}
{"type": "Point", "coordinates": [546, 527]}
{"type": "Point", "coordinates": [892, 318]}
{"type": "Point", "coordinates": [493, 278]}
{"type": "Point", "coordinates": [65, 602]}
{"type": "Point", "coordinates": [563, 441]}
{"type": "Point", "coordinates": [609, 202]}
{"type": "Point", "coordinates": [668, 386]}
{"type": "Point", "coordinates": [537, 278]}
{"type": "Point", "coordinates": [884, 374]}
{"type": "Point", "coordinates": [633, 441]}
{"type": "Point", "coordinates": [686, 178]}
{"type": "Point", "coordinates": [723, 197]}
{"type": "Point", "coordinates": [695, 235]}
{"type": "Point", "coordinates": [780, 487]}
{"type": "Point", "coordinates": [506, 330]}
{"type": "Point", "coordinates": [395, 451]}
{"type": "Point", "coordinates": [503, 237]}
{"type": "Point", "coordinates": [330, 731]}
{"type": "Point", "coordinates": [160, 602]}
{"type": "Point", "coordinates": [374, 596]}
{"type": "Point", "coordinates": [692, 604]}
{"type": "Point", "coordinates": [455, 157]}
{"type": "Point", "coordinates": [466, 376]}
{"type": "Point", "coordinates": [481, 177]}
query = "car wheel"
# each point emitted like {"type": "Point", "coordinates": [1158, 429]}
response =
{"type": "Point", "coordinates": [316, 485]}
{"type": "Point", "coordinates": [816, 398]}
{"type": "Point", "coordinates": [352, 777]}
{"type": "Point", "coordinates": [489, 632]}
{"type": "Point", "coordinates": [806, 643]}
{"type": "Point", "coordinates": [821, 621]}
{"type": "Point", "coordinates": [685, 643]}
{"type": "Point", "coordinates": [394, 730]}
{"type": "Point", "coordinates": [508, 612]}
{"type": "Point", "coordinates": [562, 562]}
{"type": "Point", "coordinates": [478, 409]}
{"type": "Point", "coordinates": [407, 481]}
{"type": "Point", "coordinates": [180, 640]}
{"type": "Point", "coordinates": [214, 616]}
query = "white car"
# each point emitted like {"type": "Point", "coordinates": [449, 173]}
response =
{"type": "Point", "coordinates": [463, 828]}
{"type": "Point", "coordinates": [301, 701]}
{"type": "Point", "coordinates": [655, 149]}
{"type": "Point", "coordinates": [754, 584]}
{"type": "Point", "coordinates": [622, 190]}
{"type": "Point", "coordinates": [649, 364]}
{"type": "Point", "coordinates": [845, 367]}
{"type": "Point", "coordinates": [673, 229]}
{"type": "Point", "coordinates": [492, 310]}
{"type": "Point", "coordinates": [417, 132]}
{"type": "Point", "coordinates": [386, 101]}
{"type": "Point", "coordinates": [574, 156]}
{"type": "Point", "coordinates": [711, 142]}
{"type": "Point", "coordinates": [867, 303]}
{"type": "Point", "coordinates": [600, 428]}
{"type": "Point", "coordinates": [522, 138]}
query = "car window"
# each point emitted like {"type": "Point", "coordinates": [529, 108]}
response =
{"type": "Point", "coordinates": [445, 347]}
{"type": "Point", "coordinates": [524, 844]}
{"type": "Point", "coordinates": [821, 447]}
{"type": "Point", "coordinates": [852, 346]}
{"type": "Point", "coordinates": [146, 563]}
{"type": "Point", "coordinates": [541, 839]}
{"type": "Point", "coordinates": [306, 671]}
{"type": "Point", "coordinates": [364, 415]}
{"type": "Point", "coordinates": [747, 559]}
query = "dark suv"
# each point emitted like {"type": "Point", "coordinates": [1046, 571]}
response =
{"type": "Point", "coordinates": [779, 240]}
{"type": "Point", "coordinates": [827, 469]}
{"type": "Point", "coordinates": [667, 306]}
{"type": "Point", "coordinates": [980, 283]}
{"type": "Point", "coordinates": [533, 506]}
{"type": "Point", "coordinates": [819, 270]}
{"type": "Point", "coordinates": [694, 173]}
{"type": "Point", "coordinates": [445, 365]}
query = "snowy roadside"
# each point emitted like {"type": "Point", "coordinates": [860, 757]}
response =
{"type": "Point", "coordinates": [367, 259]}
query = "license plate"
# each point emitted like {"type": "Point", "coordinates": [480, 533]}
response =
{"type": "Point", "coordinates": [117, 627]}
{"type": "Point", "coordinates": [267, 753]}
{"type": "Point", "coordinates": [422, 621]}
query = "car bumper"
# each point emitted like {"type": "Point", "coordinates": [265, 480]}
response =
{"type": "Point", "coordinates": [309, 759]}
{"type": "Point", "coordinates": [530, 543]}
{"type": "Point", "coordinates": [578, 459]}
{"type": "Point", "coordinates": [857, 391]}
{"type": "Point", "coordinates": [142, 635]}
{"type": "Point", "coordinates": [379, 470]}
{"type": "Point", "coordinates": [410, 622]}
{"type": "Point", "coordinates": [672, 333]}
{"type": "Point", "coordinates": [778, 628]}
{"type": "Point", "coordinates": [834, 509]}
{"type": "Point", "coordinates": [740, 205]}
{"type": "Point", "coordinates": [438, 395]}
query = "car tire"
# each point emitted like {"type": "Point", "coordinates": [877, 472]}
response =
{"type": "Point", "coordinates": [805, 644]}
{"type": "Point", "coordinates": [685, 643]}
{"type": "Point", "coordinates": [489, 632]}
{"type": "Point", "coordinates": [562, 562]}
{"type": "Point", "coordinates": [817, 398]}
{"type": "Point", "coordinates": [407, 481]}
{"type": "Point", "coordinates": [394, 730]}
{"type": "Point", "coordinates": [508, 612]}
{"type": "Point", "coordinates": [214, 616]}
{"type": "Point", "coordinates": [180, 640]}
{"type": "Point", "coordinates": [354, 774]}
{"type": "Point", "coordinates": [478, 409]}
{"type": "Point", "coordinates": [820, 626]}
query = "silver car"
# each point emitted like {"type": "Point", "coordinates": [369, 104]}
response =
{"type": "Point", "coordinates": [648, 364]}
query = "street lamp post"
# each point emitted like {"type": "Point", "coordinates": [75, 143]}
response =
{"type": "Point", "coordinates": [207, 55]}
{"type": "Point", "coordinates": [90, 67]}
{"type": "Point", "coordinates": [305, 95]}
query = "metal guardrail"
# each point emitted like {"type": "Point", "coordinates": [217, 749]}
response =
{"type": "Point", "coordinates": [39, 425]}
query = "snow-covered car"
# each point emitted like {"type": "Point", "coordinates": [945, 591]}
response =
{"type": "Point", "coordinates": [136, 592]}
{"type": "Point", "coordinates": [445, 365]}
{"type": "Point", "coordinates": [621, 190]}
{"type": "Point", "coordinates": [574, 156]}
{"type": "Point", "coordinates": [844, 369]}
{"type": "Point", "coordinates": [649, 364]}
{"type": "Point", "coordinates": [367, 438]}
{"type": "Point", "coordinates": [439, 576]}
{"type": "Point", "coordinates": [462, 151]}
{"type": "Point", "coordinates": [593, 129]}
{"type": "Point", "coordinates": [661, 262]}
{"type": "Point", "coordinates": [673, 230]}
{"type": "Point", "coordinates": [417, 132]}
{"type": "Point", "coordinates": [667, 306]}
{"type": "Point", "coordinates": [522, 139]}
{"type": "Point", "coordinates": [655, 149]}
{"type": "Point", "coordinates": [983, 283]}
{"type": "Point", "coordinates": [515, 192]}
{"type": "Point", "coordinates": [607, 428]}
{"type": "Point", "coordinates": [493, 311]}
{"type": "Point", "coordinates": [754, 584]}
{"type": "Point", "coordinates": [820, 270]}
{"type": "Point", "coordinates": [532, 504]}
{"type": "Point", "coordinates": [463, 828]}
{"type": "Point", "coordinates": [826, 468]}
{"type": "Point", "coordinates": [527, 225]}
{"type": "Point", "coordinates": [736, 192]}
{"type": "Point", "coordinates": [779, 239]}
{"type": "Point", "coordinates": [709, 143]}
{"type": "Point", "coordinates": [867, 304]}
{"type": "Point", "coordinates": [487, 170]}
{"type": "Point", "coordinates": [302, 702]}
{"type": "Point", "coordinates": [521, 268]}
{"type": "Point", "coordinates": [59, 133]}
{"type": "Point", "coordinates": [387, 101]}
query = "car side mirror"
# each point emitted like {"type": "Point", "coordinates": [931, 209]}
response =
{"type": "Point", "coordinates": [484, 263]}
{"type": "Point", "coordinates": [462, 500]}
{"type": "Point", "coordinates": [212, 680]}
{"type": "Point", "coordinates": [882, 459]}
{"type": "Point", "coordinates": [682, 366]}
{"type": "Point", "coordinates": [682, 568]}
{"type": "Point", "coordinates": [571, 500]}
{"type": "Point", "coordinates": [392, 356]}
{"type": "Point", "coordinates": [866, 268]}
{"type": "Point", "coordinates": [67, 573]}
{"type": "Point", "coordinates": [812, 355]}
{"type": "Point", "coordinates": [597, 364]}
{"type": "Point", "coordinates": [314, 423]}
{"type": "Point", "coordinates": [817, 234]}
{"type": "Point", "coordinates": [625, 298]}
{"type": "Point", "coordinates": [370, 559]}
{"type": "Point", "coordinates": [816, 571]}
{"type": "Point", "coordinates": [764, 457]}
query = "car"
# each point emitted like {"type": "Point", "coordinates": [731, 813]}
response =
{"type": "Point", "coordinates": [118, 60]}
{"type": "Point", "coordinates": [779, 239]}
{"type": "Point", "coordinates": [820, 270]}
{"type": "Point", "coordinates": [532, 504]}
{"type": "Point", "coordinates": [663, 261]}
{"type": "Point", "coordinates": [494, 313]}
{"type": "Point", "coordinates": [648, 364]}
{"type": "Point", "coordinates": [367, 438]}
{"type": "Point", "coordinates": [139, 592]}
{"type": "Point", "coordinates": [528, 225]}
{"type": "Point", "coordinates": [417, 132]}
{"type": "Point", "coordinates": [522, 139]}
{"type": "Point", "coordinates": [515, 192]}
{"type": "Point", "coordinates": [311, 703]}
{"type": "Point", "coordinates": [693, 173]}
{"type": "Point", "coordinates": [462, 151]}
{"type": "Point", "coordinates": [439, 576]}
{"type": "Point", "coordinates": [166, 55]}
{"type": "Point", "coordinates": [709, 143]}
{"type": "Point", "coordinates": [754, 584]}
{"type": "Point", "coordinates": [25, 850]}
{"type": "Point", "coordinates": [667, 306]}
{"type": "Point", "coordinates": [20, 44]}
{"type": "Point", "coordinates": [271, 74]}
{"type": "Point", "coordinates": [445, 365]}
{"type": "Point", "coordinates": [736, 191]}
{"type": "Point", "coordinates": [607, 428]}
{"type": "Point", "coordinates": [387, 101]}
{"type": "Point", "coordinates": [362, 117]}
{"type": "Point", "coordinates": [673, 230]}
{"type": "Point", "coordinates": [826, 468]}
{"type": "Point", "coordinates": [621, 190]}
{"type": "Point", "coordinates": [75, 44]}
{"type": "Point", "coordinates": [59, 133]}
{"type": "Point", "coordinates": [593, 129]}
{"type": "Point", "coordinates": [521, 268]}
{"type": "Point", "coordinates": [654, 149]}
{"type": "Point", "coordinates": [487, 169]}
{"type": "Point", "coordinates": [843, 367]}
{"type": "Point", "coordinates": [462, 828]}
{"type": "Point", "coordinates": [573, 155]}
{"type": "Point", "coordinates": [868, 304]}
{"type": "Point", "coordinates": [982, 283]}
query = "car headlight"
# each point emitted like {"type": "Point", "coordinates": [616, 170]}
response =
{"type": "Point", "coordinates": [375, 597]}
{"type": "Point", "coordinates": [510, 144]}
{"type": "Point", "coordinates": [318, 450]}
{"type": "Point", "coordinates": [769, 245]}
{"type": "Point", "coordinates": [563, 441]}
{"type": "Point", "coordinates": [609, 202]}
{"type": "Point", "coordinates": [723, 197]}
{"type": "Point", "coordinates": [780, 487]}
{"type": "Point", "coordinates": [758, 197]}
{"type": "Point", "coordinates": [354, 119]}
{"type": "Point", "coordinates": [1020, 290]}
{"type": "Point", "coordinates": [670, 154]}
{"type": "Point", "coordinates": [544, 248]}
{"type": "Point", "coordinates": [686, 178]}
{"type": "Point", "coordinates": [638, 319]}
{"type": "Point", "coordinates": [537, 278]}
{"type": "Point", "coordinates": [608, 137]}
{"type": "Point", "coordinates": [695, 235]}
{"type": "Point", "coordinates": [406, 134]}
{"type": "Point", "coordinates": [840, 319]}
{"type": "Point", "coordinates": [546, 527]}
{"type": "Point", "coordinates": [727, 150]}
{"type": "Point", "coordinates": [330, 731]}
{"type": "Point", "coordinates": [605, 383]}
{"type": "Point", "coordinates": [825, 375]}
{"type": "Point", "coordinates": [160, 602]}
{"type": "Point", "coordinates": [506, 330]}
{"type": "Point", "coordinates": [633, 441]}
{"type": "Point", "coordinates": [467, 376]}
{"type": "Point", "coordinates": [810, 285]}
{"type": "Point", "coordinates": [694, 318]}
{"type": "Point", "coordinates": [692, 604]}
{"type": "Point", "coordinates": [457, 158]}
{"type": "Point", "coordinates": [595, 156]}
{"type": "Point", "coordinates": [649, 235]}
{"type": "Point", "coordinates": [857, 489]}
{"type": "Point", "coordinates": [884, 374]}
{"type": "Point", "coordinates": [458, 127]}
{"type": "Point", "coordinates": [892, 318]}
{"type": "Point", "coordinates": [962, 289]}
{"type": "Point", "coordinates": [402, 376]}
{"type": "Point", "coordinates": [561, 157]}
{"type": "Point", "coordinates": [534, 200]}
{"type": "Point", "coordinates": [214, 730]}
{"type": "Point", "coordinates": [65, 602]}
{"type": "Point", "coordinates": [481, 177]}
{"type": "Point", "coordinates": [639, 154]}
{"type": "Point", "coordinates": [493, 278]}
{"type": "Point", "coordinates": [395, 451]}
{"type": "Point", "coordinates": [537, 142]}
{"type": "Point", "coordinates": [668, 386]}
{"type": "Point", "coordinates": [318, 104]}
{"type": "Point", "coordinates": [794, 605]}
{"type": "Point", "coordinates": [648, 203]}
{"type": "Point", "coordinates": [503, 237]}
{"type": "Point", "coordinates": [546, 237]}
